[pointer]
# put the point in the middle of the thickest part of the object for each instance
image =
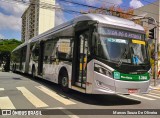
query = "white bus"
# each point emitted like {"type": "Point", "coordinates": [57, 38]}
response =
{"type": "Point", "coordinates": [93, 53]}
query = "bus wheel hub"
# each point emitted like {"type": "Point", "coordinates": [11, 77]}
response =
{"type": "Point", "coordinates": [64, 81]}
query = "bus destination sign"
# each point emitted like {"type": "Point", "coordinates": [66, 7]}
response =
{"type": "Point", "coordinates": [120, 33]}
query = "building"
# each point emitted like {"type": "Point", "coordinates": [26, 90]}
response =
{"type": "Point", "coordinates": [151, 10]}
{"type": "Point", "coordinates": [37, 18]}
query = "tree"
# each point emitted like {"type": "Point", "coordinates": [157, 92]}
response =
{"type": "Point", "coordinates": [114, 11]}
{"type": "Point", "coordinates": [6, 47]}
{"type": "Point", "coordinates": [9, 45]}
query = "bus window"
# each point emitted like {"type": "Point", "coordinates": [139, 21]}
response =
{"type": "Point", "coordinates": [35, 52]}
{"type": "Point", "coordinates": [49, 51]}
{"type": "Point", "coordinates": [65, 49]}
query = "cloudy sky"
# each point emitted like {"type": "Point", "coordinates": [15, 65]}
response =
{"type": "Point", "coordinates": [11, 12]}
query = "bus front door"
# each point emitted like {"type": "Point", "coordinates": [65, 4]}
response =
{"type": "Point", "coordinates": [80, 59]}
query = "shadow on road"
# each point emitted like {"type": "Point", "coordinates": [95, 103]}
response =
{"type": "Point", "coordinates": [93, 99]}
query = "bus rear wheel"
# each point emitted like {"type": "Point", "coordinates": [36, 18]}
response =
{"type": "Point", "coordinates": [64, 82]}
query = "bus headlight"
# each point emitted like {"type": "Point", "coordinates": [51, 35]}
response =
{"type": "Point", "coordinates": [103, 70]}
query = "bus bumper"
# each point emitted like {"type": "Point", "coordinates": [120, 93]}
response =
{"type": "Point", "coordinates": [106, 85]}
{"type": "Point", "coordinates": [132, 87]}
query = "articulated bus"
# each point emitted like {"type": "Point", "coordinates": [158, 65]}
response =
{"type": "Point", "coordinates": [93, 53]}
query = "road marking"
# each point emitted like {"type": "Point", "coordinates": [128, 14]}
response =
{"type": "Point", "coordinates": [128, 97]}
{"type": "Point", "coordinates": [153, 96]}
{"type": "Point", "coordinates": [32, 98]}
{"type": "Point", "coordinates": [142, 97]}
{"type": "Point", "coordinates": [155, 91]}
{"type": "Point", "coordinates": [5, 103]}
{"type": "Point", "coordinates": [70, 114]}
{"type": "Point", "coordinates": [1, 89]}
{"type": "Point", "coordinates": [55, 95]}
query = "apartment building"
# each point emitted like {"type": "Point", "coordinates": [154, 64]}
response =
{"type": "Point", "coordinates": [38, 18]}
{"type": "Point", "coordinates": [150, 10]}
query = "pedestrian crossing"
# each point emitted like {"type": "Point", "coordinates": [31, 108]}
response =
{"type": "Point", "coordinates": [143, 97]}
{"type": "Point", "coordinates": [34, 99]}
{"type": "Point", "coordinates": [152, 95]}
{"type": "Point", "coordinates": [55, 96]}
{"type": "Point", "coordinates": [6, 102]}
{"type": "Point", "coordinates": [1, 89]}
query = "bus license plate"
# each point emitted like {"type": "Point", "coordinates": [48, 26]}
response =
{"type": "Point", "coordinates": [132, 90]}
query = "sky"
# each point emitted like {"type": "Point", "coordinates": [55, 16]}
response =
{"type": "Point", "coordinates": [11, 12]}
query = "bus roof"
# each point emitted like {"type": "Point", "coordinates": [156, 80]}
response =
{"type": "Point", "coordinates": [111, 20]}
{"type": "Point", "coordinates": [20, 46]}
{"type": "Point", "coordinates": [100, 18]}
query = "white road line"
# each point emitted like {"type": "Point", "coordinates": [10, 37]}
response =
{"type": "Point", "coordinates": [55, 95]}
{"type": "Point", "coordinates": [153, 96]}
{"type": "Point", "coordinates": [1, 89]}
{"type": "Point", "coordinates": [155, 91]}
{"type": "Point", "coordinates": [70, 114]}
{"type": "Point", "coordinates": [139, 96]}
{"type": "Point", "coordinates": [128, 97]}
{"type": "Point", "coordinates": [5, 103]}
{"type": "Point", "coordinates": [32, 98]}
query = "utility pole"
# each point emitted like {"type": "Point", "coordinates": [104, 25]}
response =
{"type": "Point", "coordinates": [152, 21]}
{"type": "Point", "coordinates": [156, 58]}
{"type": "Point", "coordinates": [155, 49]}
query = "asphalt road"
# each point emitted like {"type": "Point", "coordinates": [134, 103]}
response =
{"type": "Point", "coordinates": [21, 92]}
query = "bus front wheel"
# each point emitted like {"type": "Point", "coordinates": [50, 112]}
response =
{"type": "Point", "coordinates": [64, 82]}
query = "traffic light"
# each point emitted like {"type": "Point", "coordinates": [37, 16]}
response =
{"type": "Point", "coordinates": [151, 33]}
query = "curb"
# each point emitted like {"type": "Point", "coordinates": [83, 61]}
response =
{"type": "Point", "coordinates": [154, 88]}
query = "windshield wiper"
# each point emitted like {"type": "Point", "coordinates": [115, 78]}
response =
{"type": "Point", "coordinates": [122, 56]}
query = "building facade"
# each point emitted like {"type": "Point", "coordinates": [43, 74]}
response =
{"type": "Point", "coordinates": [151, 10]}
{"type": "Point", "coordinates": [38, 18]}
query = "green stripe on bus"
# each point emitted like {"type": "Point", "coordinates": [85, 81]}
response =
{"type": "Point", "coordinates": [131, 77]}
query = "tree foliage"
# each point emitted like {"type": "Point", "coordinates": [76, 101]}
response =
{"type": "Point", "coordinates": [114, 11]}
{"type": "Point", "coordinates": [8, 45]}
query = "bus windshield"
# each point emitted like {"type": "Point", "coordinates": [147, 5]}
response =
{"type": "Point", "coordinates": [122, 50]}
{"type": "Point", "coordinates": [121, 46]}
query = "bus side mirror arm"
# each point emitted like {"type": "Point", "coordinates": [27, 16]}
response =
{"type": "Point", "coordinates": [94, 41]}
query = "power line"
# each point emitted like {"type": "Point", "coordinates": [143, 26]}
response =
{"type": "Point", "coordinates": [42, 5]}
{"type": "Point", "coordinates": [51, 7]}
{"type": "Point", "coordinates": [151, 2]}
{"type": "Point", "coordinates": [127, 7]}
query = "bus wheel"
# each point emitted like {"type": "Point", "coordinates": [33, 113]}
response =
{"type": "Point", "coordinates": [33, 73]}
{"type": "Point", "coordinates": [64, 82]}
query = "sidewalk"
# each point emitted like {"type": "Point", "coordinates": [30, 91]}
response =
{"type": "Point", "coordinates": [157, 86]}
